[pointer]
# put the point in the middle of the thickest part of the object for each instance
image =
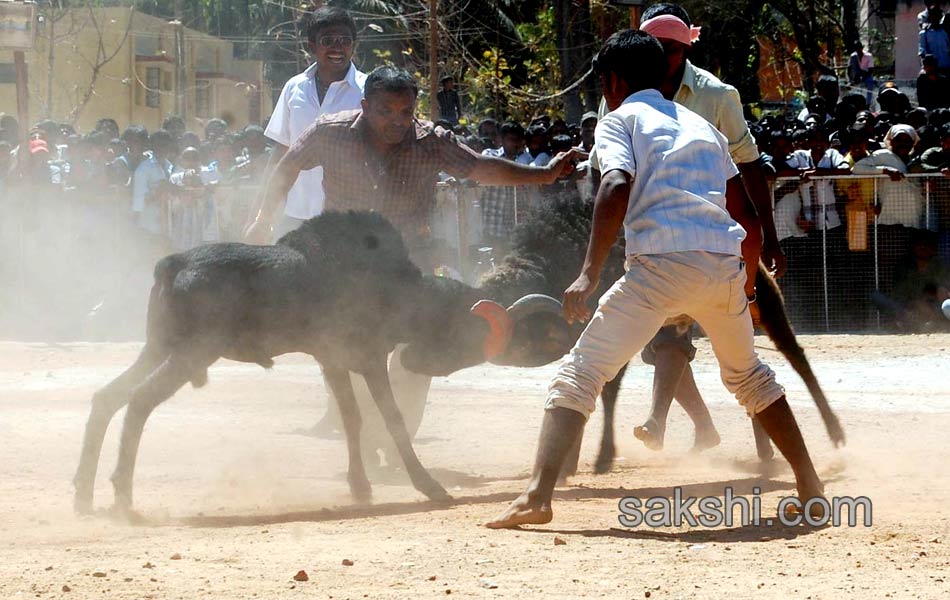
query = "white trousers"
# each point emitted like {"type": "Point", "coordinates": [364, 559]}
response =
{"type": "Point", "coordinates": [709, 287]}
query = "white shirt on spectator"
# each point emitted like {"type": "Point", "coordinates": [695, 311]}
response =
{"type": "Point", "coordinates": [524, 158]}
{"type": "Point", "coordinates": [145, 179]}
{"type": "Point", "coordinates": [901, 202]}
{"type": "Point", "coordinates": [295, 111]}
{"type": "Point", "coordinates": [679, 164]}
{"type": "Point", "coordinates": [541, 160]}
{"type": "Point", "coordinates": [821, 192]}
{"type": "Point", "coordinates": [787, 210]}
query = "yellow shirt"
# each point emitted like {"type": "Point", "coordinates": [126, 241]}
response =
{"type": "Point", "coordinates": [717, 102]}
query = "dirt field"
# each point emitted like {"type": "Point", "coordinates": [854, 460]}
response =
{"type": "Point", "coordinates": [238, 503]}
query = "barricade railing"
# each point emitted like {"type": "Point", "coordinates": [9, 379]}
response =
{"type": "Point", "coordinates": [65, 250]}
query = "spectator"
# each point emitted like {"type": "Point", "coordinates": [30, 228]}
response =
{"type": "Point", "coordinates": [450, 105]}
{"type": "Point", "coordinates": [512, 144]}
{"type": "Point", "coordinates": [933, 87]}
{"type": "Point", "coordinates": [191, 215]}
{"type": "Point", "coordinates": [933, 39]}
{"type": "Point", "coordinates": [537, 143]}
{"type": "Point", "coordinates": [215, 128]}
{"type": "Point", "coordinates": [588, 125]}
{"type": "Point", "coordinates": [860, 64]}
{"type": "Point", "coordinates": [330, 85]}
{"type": "Point", "coordinates": [149, 184]}
{"type": "Point", "coordinates": [489, 134]}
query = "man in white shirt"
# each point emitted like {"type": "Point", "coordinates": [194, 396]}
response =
{"type": "Point", "coordinates": [667, 178]}
{"type": "Point", "coordinates": [330, 85]}
{"type": "Point", "coordinates": [150, 181]}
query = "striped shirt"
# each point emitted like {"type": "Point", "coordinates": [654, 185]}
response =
{"type": "Point", "coordinates": [679, 164]}
{"type": "Point", "coordinates": [400, 185]}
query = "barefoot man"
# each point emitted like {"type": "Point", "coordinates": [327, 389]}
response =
{"type": "Point", "coordinates": [666, 177]}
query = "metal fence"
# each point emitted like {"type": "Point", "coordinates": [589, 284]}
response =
{"type": "Point", "coordinates": [71, 261]}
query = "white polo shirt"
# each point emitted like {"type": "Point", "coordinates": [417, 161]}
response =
{"type": "Point", "coordinates": [679, 164]}
{"type": "Point", "coordinates": [296, 110]}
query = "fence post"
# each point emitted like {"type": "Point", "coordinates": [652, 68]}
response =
{"type": "Point", "coordinates": [877, 250]}
{"type": "Point", "coordinates": [824, 258]}
{"type": "Point", "coordinates": [461, 223]}
{"type": "Point", "coordinates": [927, 203]}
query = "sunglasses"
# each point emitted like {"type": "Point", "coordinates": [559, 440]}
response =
{"type": "Point", "coordinates": [332, 41]}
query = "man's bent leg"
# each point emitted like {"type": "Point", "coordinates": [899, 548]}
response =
{"type": "Point", "coordinates": [669, 363]}
{"type": "Point", "coordinates": [561, 427]}
{"type": "Point", "coordinates": [724, 316]}
{"type": "Point", "coordinates": [622, 324]}
{"type": "Point", "coordinates": [688, 396]}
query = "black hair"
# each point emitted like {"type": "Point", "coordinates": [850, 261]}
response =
{"type": "Point", "coordinates": [667, 8]}
{"type": "Point", "coordinates": [511, 128]}
{"type": "Point", "coordinates": [137, 133]}
{"type": "Point", "coordinates": [635, 56]}
{"type": "Point", "coordinates": [391, 80]}
{"type": "Point", "coordinates": [537, 129]}
{"type": "Point", "coordinates": [826, 80]}
{"type": "Point", "coordinates": [446, 78]}
{"type": "Point", "coordinates": [329, 16]}
{"type": "Point", "coordinates": [160, 136]}
{"type": "Point", "coordinates": [945, 130]}
{"type": "Point", "coordinates": [561, 143]}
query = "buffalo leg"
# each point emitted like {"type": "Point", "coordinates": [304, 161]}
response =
{"type": "Point", "coordinates": [763, 445]}
{"type": "Point", "coordinates": [176, 371]}
{"type": "Point", "coordinates": [342, 390]}
{"type": "Point", "coordinates": [377, 379]}
{"type": "Point", "coordinates": [105, 403]}
{"type": "Point", "coordinates": [608, 396]}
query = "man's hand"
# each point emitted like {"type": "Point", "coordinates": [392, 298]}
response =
{"type": "Point", "coordinates": [773, 258]}
{"type": "Point", "coordinates": [259, 232]}
{"type": "Point", "coordinates": [894, 174]}
{"type": "Point", "coordinates": [563, 164]}
{"type": "Point", "coordinates": [576, 296]}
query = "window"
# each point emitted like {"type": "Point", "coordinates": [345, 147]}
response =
{"type": "Point", "coordinates": [202, 98]}
{"type": "Point", "coordinates": [7, 73]}
{"type": "Point", "coordinates": [153, 87]}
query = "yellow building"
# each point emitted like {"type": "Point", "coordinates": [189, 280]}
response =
{"type": "Point", "coordinates": [135, 80]}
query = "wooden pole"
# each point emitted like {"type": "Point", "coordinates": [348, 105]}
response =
{"type": "Point", "coordinates": [180, 77]}
{"type": "Point", "coordinates": [22, 95]}
{"type": "Point", "coordinates": [433, 60]}
{"type": "Point", "coordinates": [635, 12]}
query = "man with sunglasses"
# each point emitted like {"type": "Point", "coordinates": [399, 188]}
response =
{"type": "Point", "coordinates": [330, 85]}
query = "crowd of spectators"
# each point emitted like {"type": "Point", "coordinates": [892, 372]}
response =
{"type": "Point", "coordinates": [824, 226]}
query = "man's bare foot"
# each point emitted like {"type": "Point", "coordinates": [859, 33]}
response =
{"type": "Point", "coordinates": [522, 511]}
{"type": "Point", "coordinates": [705, 439]}
{"type": "Point", "coordinates": [650, 433]}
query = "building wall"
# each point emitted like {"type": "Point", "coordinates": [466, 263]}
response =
{"type": "Point", "coordinates": [906, 61]}
{"type": "Point", "coordinates": [121, 90]}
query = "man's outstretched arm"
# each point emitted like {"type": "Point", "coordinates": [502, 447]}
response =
{"type": "Point", "coordinates": [610, 207]}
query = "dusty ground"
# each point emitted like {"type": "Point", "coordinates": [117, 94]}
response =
{"type": "Point", "coordinates": [238, 503]}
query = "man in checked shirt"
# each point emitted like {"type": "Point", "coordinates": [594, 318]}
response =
{"type": "Point", "coordinates": [382, 158]}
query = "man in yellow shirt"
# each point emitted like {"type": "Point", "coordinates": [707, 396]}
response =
{"type": "Point", "coordinates": [703, 93]}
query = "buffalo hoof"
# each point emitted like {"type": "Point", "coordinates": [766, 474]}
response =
{"type": "Point", "coordinates": [434, 491]}
{"type": "Point", "coordinates": [124, 514]}
{"type": "Point", "coordinates": [604, 462]}
{"type": "Point", "coordinates": [82, 504]}
{"type": "Point", "coordinates": [361, 490]}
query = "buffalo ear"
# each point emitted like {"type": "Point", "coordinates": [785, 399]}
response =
{"type": "Point", "coordinates": [500, 327]}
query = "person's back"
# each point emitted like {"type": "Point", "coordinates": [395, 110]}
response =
{"type": "Point", "coordinates": [682, 164]}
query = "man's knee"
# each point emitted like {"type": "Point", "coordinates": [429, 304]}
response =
{"type": "Point", "coordinates": [670, 338]}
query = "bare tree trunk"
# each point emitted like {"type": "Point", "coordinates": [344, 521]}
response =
{"type": "Point", "coordinates": [575, 41]}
